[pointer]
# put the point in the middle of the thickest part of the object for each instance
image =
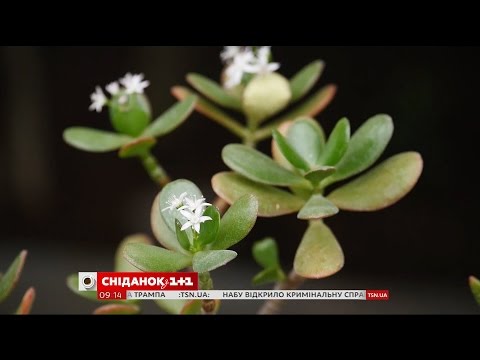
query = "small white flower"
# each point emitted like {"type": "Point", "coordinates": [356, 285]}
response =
{"type": "Point", "coordinates": [194, 219]}
{"type": "Point", "coordinates": [193, 204]}
{"type": "Point", "coordinates": [174, 202]}
{"type": "Point", "coordinates": [99, 100]}
{"type": "Point", "coordinates": [229, 53]}
{"type": "Point", "coordinates": [134, 84]}
{"type": "Point", "coordinates": [241, 63]}
{"type": "Point", "coordinates": [113, 88]}
{"type": "Point", "coordinates": [122, 100]}
{"type": "Point", "coordinates": [261, 65]}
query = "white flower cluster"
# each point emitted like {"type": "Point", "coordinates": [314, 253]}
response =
{"type": "Point", "coordinates": [191, 209]}
{"type": "Point", "coordinates": [132, 84]}
{"type": "Point", "coordinates": [243, 60]}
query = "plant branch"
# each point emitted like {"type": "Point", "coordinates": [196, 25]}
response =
{"type": "Point", "coordinates": [271, 307]}
{"type": "Point", "coordinates": [154, 169]}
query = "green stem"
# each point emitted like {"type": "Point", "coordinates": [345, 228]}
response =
{"type": "Point", "coordinates": [249, 137]}
{"type": "Point", "coordinates": [294, 281]}
{"type": "Point", "coordinates": [154, 169]}
{"type": "Point", "coordinates": [206, 283]}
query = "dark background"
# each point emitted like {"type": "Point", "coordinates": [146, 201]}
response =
{"type": "Point", "coordinates": [70, 208]}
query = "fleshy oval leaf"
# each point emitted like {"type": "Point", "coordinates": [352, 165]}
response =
{"type": "Point", "coordinates": [214, 91]}
{"type": "Point", "coordinates": [317, 207]}
{"type": "Point", "coordinates": [382, 186]}
{"type": "Point", "coordinates": [307, 138]}
{"type": "Point", "coordinates": [27, 302]}
{"type": "Point", "coordinates": [337, 144]}
{"type": "Point", "coordinates": [123, 265]}
{"type": "Point", "coordinates": [319, 254]}
{"type": "Point", "coordinates": [172, 118]}
{"type": "Point", "coordinates": [475, 288]}
{"type": "Point", "coordinates": [208, 260]}
{"type": "Point", "coordinates": [271, 201]}
{"type": "Point", "coordinates": [258, 167]}
{"type": "Point", "coordinates": [9, 280]}
{"type": "Point", "coordinates": [237, 222]}
{"type": "Point", "coordinates": [265, 253]}
{"type": "Point", "coordinates": [117, 309]}
{"type": "Point", "coordinates": [365, 147]}
{"type": "Point", "coordinates": [305, 79]}
{"type": "Point", "coordinates": [154, 258]}
{"type": "Point", "coordinates": [94, 140]}
{"type": "Point", "coordinates": [289, 152]}
{"type": "Point", "coordinates": [209, 229]}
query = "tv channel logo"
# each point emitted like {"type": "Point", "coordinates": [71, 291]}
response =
{"type": "Point", "coordinates": [87, 281]}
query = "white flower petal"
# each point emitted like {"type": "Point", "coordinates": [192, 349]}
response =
{"type": "Point", "coordinates": [113, 88]}
{"type": "Point", "coordinates": [204, 218]}
{"type": "Point", "coordinates": [197, 227]}
{"type": "Point", "coordinates": [186, 226]}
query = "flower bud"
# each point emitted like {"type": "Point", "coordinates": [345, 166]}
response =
{"type": "Point", "coordinates": [266, 95]}
{"type": "Point", "coordinates": [130, 114]}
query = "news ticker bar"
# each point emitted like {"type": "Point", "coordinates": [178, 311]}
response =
{"type": "Point", "coordinates": [185, 285]}
{"type": "Point", "coordinates": [261, 295]}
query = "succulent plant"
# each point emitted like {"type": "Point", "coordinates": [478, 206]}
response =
{"type": "Point", "coordinates": [9, 280]}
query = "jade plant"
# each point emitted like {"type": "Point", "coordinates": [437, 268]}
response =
{"type": "Point", "coordinates": [9, 280]}
{"type": "Point", "coordinates": [475, 288]}
{"type": "Point", "coordinates": [131, 117]}
{"type": "Point", "coordinates": [252, 87]}
{"type": "Point", "coordinates": [298, 179]}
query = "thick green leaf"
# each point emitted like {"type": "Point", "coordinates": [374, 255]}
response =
{"type": "Point", "coordinates": [123, 265]}
{"type": "Point", "coordinates": [93, 140]}
{"type": "Point", "coordinates": [171, 306]}
{"type": "Point", "coordinates": [208, 260]}
{"type": "Point", "coordinates": [211, 111]}
{"type": "Point", "coordinates": [192, 307]}
{"type": "Point", "coordinates": [258, 167]}
{"type": "Point", "coordinates": [172, 118]}
{"type": "Point", "coordinates": [72, 283]}
{"type": "Point", "coordinates": [319, 254]}
{"type": "Point", "coordinates": [289, 152]}
{"type": "Point", "coordinates": [174, 190]}
{"type": "Point", "coordinates": [305, 79]}
{"type": "Point", "coordinates": [318, 174]}
{"type": "Point", "coordinates": [265, 253]}
{"type": "Point", "coordinates": [312, 106]}
{"type": "Point", "coordinates": [382, 186]}
{"type": "Point", "coordinates": [276, 152]}
{"type": "Point", "coordinates": [117, 309]}
{"type": "Point", "coordinates": [182, 236]}
{"type": "Point", "coordinates": [130, 118]}
{"type": "Point", "coordinates": [162, 232]}
{"type": "Point", "coordinates": [475, 287]}
{"type": "Point", "coordinates": [366, 146]}
{"type": "Point", "coordinates": [154, 258]}
{"type": "Point", "coordinates": [209, 229]}
{"type": "Point", "coordinates": [237, 222]}
{"type": "Point", "coordinates": [317, 207]}
{"type": "Point", "coordinates": [214, 91]}
{"type": "Point", "coordinates": [307, 138]}
{"type": "Point", "coordinates": [10, 278]}
{"type": "Point", "coordinates": [137, 147]}
{"type": "Point", "coordinates": [271, 201]}
{"type": "Point", "coordinates": [27, 301]}
{"type": "Point", "coordinates": [270, 275]}
{"type": "Point", "coordinates": [337, 144]}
